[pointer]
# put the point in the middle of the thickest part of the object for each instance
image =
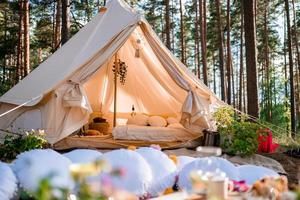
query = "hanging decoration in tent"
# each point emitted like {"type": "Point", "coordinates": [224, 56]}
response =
{"type": "Point", "coordinates": [138, 43]}
{"type": "Point", "coordinates": [137, 50]}
{"type": "Point", "coordinates": [120, 69]}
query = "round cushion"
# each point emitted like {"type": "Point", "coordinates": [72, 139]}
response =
{"type": "Point", "coordinates": [251, 173]}
{"type": "Point", "coordinates": [91, 132]}
{"type": "Point", "coordinates": [137, 177]}
{"type": "Point", "coordinates": [172, 120]}
{"type": "Point", "coordinates": [161, 166]}
{"type": "Point", "coordinates": [175, 125]}
{"type": "Point", "coordinates": [206, 164]}
{"type": "Point", "coordinates": [80, 156]}
{"type": "Point", "coordinates": [33, 166]}
{"type": "Point", "coordinates": [8, 182]}
{"type": "Point", "coordinates": [184, 160]}
{"type": "Point", "coordinates": [138, 119]}
{"type": "Point", "coordinates": [157, 121]}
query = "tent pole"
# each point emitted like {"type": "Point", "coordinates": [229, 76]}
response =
{"type": "Point", "coordinates": [115, 88]}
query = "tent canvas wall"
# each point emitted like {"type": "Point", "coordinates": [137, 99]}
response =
{"type": "Point", "coordinates": [77, 79]}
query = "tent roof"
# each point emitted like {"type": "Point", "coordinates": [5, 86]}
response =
{"type": "Point", "coordinates": [73, 55]}
{"type": "Point", "coordinates": [81, 49]}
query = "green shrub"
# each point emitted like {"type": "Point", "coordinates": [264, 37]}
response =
{"type": "Point", "coordinates": [16, 144]}
{"type": "Point", "coordinates": [238, 136]}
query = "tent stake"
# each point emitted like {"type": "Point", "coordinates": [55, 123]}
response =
{"type": "Point", "coordinates": [115, 89]}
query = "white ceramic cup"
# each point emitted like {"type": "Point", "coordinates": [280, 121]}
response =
{"type": "Point", "coordinates": [218, 189]}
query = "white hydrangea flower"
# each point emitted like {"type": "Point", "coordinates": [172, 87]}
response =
{"type": "Point", "coordinates": [82, 156]}
{"type": "Point", "coordinates": [8, 182]}
{"type": "Point", "coordinates": [251, 173]}
{"type": "Point", "coordinates": [137, 176]}
{"type": "Point", "coordinates": [207, 164]}
{"type": "Point", "coordinates": [33, 166]}
{"type": "Point", "coordinates": [162, 167]}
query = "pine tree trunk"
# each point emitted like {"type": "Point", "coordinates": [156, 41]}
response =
{"type": "Point", "coordinates": [250, 43]}
{"type": "Point", "coordinates": [202, 22]}
{"type": "Point", "coordinates": [245, 93]}
{"type": "Point", "coordinates": [214, 73]}
{"type": "Point", "coordinates": [168, 29]}
{"type": "Point", "coordinates": [197, 47]}
{"type": "Point", "coordinates": [285, 70]}
{"type": "Point", "coordinates": [40, 55]}
{"type": "Point", "coordinates": [26, 37]}
{"type": "Point", "coordinates": [57, 34]}
{"type": "Point", "coordinates": [298, 60]}
{"type": "Point", "coordinates": [241, 59]}
{"type": "Point", "coordinates": [296, 35]}
{"type": "Point", "coordinates": [232, 85]}
{"type": "Point", "coordinates": [172, 27]}
{"type": "Point", "coordinates": [87, 10]}
{"type": "Point", "coordinates": [5, 41]}
{"type": "Point", "coordinates": [19, 71]}
{"type": "Point", "coordinates": [229, 61]}
{"type": "Point", "coordinates": [267, 62]}
{"type": "Point", "coordinates": [221, 50]}
{"type": "Point", "coordinates": [291, 69]}
{"type": "Point", "coordinates": [182, 36]}
{"type": "Point", "coordinates": [65, 29]}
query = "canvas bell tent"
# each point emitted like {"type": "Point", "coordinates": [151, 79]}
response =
{"type": "Point", "coordinates": [78, 79]}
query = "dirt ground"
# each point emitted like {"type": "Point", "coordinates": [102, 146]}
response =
{"type": "Point", "coordinates": [289, 164]}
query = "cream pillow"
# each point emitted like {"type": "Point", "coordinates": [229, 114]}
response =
{"type": "Point", "coordinates": [138, 119]}
{"type": "Point", "coordinates": [176, 125]}
{"type": "Point", "coordinates": [157, 121]}
{"type": "Point", "coordinates": [172, 120]}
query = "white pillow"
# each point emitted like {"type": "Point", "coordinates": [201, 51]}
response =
{"type": "Point", "coordinates": [138, 119]}
{"type": "Point", "coordinates": [176, 125]}
{"type": "Point", "coordinates": [157, 121]}
{"type": "Point", "coordinates": [172, 120]}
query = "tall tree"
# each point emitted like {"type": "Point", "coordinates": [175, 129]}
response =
{"type": "Point", "coordinates": [65, 28]}
{"type": "Point", "coordinates": [5, 41]}
{"type": "Point", "coordinates": [267, 62]}
{"type": "Point", "coordinates": [221, 50]}
{"type": "Point", "coordinates": [291, 68]}
{"type": "Point", "coordinates": [250, 44]}
{"type": "Point", "coordinates": [285, 68]}
{"type": "Point", "coordinates": [197, 47]}
{"type": "Point", "coordinates": [57, 33]}
{"type": "Point", "coordinates": [19, 71]}
{"type": "Point", "coordinates": [26, 37]}
{"type": "Point", "coordinates": [168, 25]}
{"type": "Point", "coordinates": [202, 22]}
{"type": "Point", "coordinates": [296, 43]}
{"type": "Point", "coordinates": [229, 60]}
{"type": "Point", "coordinates": [182, 35]}
{"type": "Point", "coordinates": [241, 75]}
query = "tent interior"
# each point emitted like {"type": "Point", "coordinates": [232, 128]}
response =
{"type": "Point", "coordinates": [147, 87]}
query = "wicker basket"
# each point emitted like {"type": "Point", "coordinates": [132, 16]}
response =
{"type": "Point", "coordinates": [101, 127]}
